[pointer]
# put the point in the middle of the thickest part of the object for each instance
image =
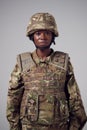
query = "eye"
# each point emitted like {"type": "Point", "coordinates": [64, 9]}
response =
{"type": "Point", "coordinates": [38, 33]}
{"type": "Point", "coordinates": [48, 33]}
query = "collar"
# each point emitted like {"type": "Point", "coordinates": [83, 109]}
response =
{"type": "Point", "coordinates": [39, 60]}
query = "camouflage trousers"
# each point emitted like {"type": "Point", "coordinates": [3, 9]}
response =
{"type": "Point", "coordinates": [40, 127]}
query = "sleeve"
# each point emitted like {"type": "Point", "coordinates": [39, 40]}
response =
{"type": "Point", "coordinates": [78, 116]}
{"type": "Point", "coordinates": [14, 97]}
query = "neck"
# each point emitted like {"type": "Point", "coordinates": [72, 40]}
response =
{"type": "Point", "coordinates": [43, 53]}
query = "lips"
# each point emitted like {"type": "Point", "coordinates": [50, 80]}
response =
{"type": "Point", "coordinates": [43, 41]}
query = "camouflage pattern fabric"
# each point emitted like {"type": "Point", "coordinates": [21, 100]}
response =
{"type": "Point", "coordinates": [45, 96]}
{"type": "Point", "coordinates": [38, 127]}
{"type": "Point", "coordinates": [41, 21]}
{"type": "Point", "coordinates": [44, 85]}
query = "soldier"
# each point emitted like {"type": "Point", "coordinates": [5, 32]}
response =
{"type": "Point", "coordinates": [43, 93]}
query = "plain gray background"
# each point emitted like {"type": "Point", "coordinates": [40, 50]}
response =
{"type": "Point", "coordinates": [71, 18]}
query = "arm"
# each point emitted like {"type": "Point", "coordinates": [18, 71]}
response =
{"type": "Point", "coordinates": [15, 92]}
{"type": "Point", "coordinates": [78, 116]}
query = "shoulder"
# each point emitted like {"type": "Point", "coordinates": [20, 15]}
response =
{"type": "Point", "coordinates": [60, 59]}
{"type": "Point", "coordinates": [24, 54]}
{"type": "Point", "coordinates": [25, 61]}
{"type": "Point", "coordinates": [60, 56]}
{"type": "Point", "coordinates": [60, 53]}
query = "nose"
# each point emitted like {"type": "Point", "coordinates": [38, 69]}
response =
{"type": "Point", "coordinates": [43, 35]}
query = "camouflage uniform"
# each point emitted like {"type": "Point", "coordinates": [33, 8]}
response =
{"type": "Point", "coordinates": [43, 94]}
{"type": "Point", "coordinates": [69, 107]}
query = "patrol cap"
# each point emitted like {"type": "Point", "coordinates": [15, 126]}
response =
{"type": "Point", "coordinates": [42, 21]}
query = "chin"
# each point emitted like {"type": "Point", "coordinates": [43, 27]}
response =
{"type": "Point", "coordinates": [43, 47]}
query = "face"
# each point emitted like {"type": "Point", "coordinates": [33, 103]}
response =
{"type": "Point", "coordinates": [42, 39]}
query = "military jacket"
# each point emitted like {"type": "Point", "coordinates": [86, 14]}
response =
{"type": "Point", "coordinates": [44, 92]}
